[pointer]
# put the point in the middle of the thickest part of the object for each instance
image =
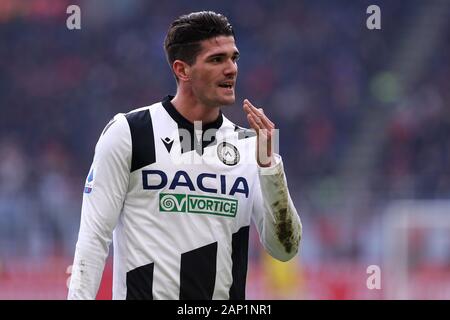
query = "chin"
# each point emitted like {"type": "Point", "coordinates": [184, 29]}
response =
{"type": "Point", "coordinates": [226, 101]}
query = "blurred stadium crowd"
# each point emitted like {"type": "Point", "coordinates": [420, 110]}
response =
{"type": "Point", "coordinates": [313, 65]}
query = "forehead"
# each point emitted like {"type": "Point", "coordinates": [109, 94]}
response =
{"type": "Point", "coordinates": [217, 45]}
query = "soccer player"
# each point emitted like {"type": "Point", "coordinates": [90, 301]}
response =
{"type": "Point", "coordinates": [176, 184]}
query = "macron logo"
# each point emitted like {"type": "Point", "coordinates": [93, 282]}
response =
{"type": "Point", "coordinates": [167, 143]}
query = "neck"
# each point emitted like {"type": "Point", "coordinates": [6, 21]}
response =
{"type": "Point", "coordinates": [194, 110]}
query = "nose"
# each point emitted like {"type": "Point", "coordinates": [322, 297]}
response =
{"type": "Point", "coordinates": [230, 68]}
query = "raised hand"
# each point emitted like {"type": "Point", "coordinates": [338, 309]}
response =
{"type": "Point", "coordinates": [265, 132]}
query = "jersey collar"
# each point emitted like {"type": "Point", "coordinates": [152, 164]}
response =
{"type": "Point", "coordinates": [184, 123]}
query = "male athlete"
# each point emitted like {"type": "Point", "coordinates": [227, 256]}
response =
{"type": "Point", "coordinates": [176, 184]}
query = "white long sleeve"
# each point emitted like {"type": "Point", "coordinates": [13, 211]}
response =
{"type": "Point", "coordinates": [278, 223]}
{"type": "Point", "coordinates": [102, 204]}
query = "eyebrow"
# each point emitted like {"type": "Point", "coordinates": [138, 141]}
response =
{"type": "Point", "coordinates": [235, 54]}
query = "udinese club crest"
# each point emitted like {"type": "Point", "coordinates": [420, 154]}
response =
{"type": "Point", "coordinates": [228, 153]}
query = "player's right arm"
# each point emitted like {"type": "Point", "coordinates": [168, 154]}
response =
{"type": "Point", "coordinates": [103, 198]}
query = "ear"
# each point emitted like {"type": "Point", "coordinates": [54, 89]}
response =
{"type": "Point", "coordinates": [181, 70]}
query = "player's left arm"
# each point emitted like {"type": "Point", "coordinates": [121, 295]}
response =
{"type": "Point", "coordinates": [274, 213]}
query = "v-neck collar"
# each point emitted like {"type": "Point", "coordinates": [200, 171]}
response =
{"type": "Point", "coordinates": [185, 124]}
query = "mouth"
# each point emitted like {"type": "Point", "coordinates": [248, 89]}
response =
{"type": "Point", "coordinates": [227, 85]}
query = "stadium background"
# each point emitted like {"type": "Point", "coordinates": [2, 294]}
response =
{"type": "Point", "coordinates": [364, 118]}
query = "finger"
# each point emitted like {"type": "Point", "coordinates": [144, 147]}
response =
{"type": "Point", "coordinates": [266, 119]}
{"type": "Point", "coordinates": [251, 109]}
{"type": "Point", "coordinates": [258, 126]}
{"type": "Point", "coordinates": [247, 109]}
{"type": "Point", "coordinates": [256, 116]}
{"type": "Point", "coordinates": [251, 106]}
{"type": "Point", "coordinates": [259, 113]}
{"type": "Point", "coordinates": [253, 122]}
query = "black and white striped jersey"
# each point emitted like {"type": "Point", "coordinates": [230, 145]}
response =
{"type": "Point", "coordinates": [177, 200]}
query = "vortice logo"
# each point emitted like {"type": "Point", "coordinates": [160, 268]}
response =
{"type": "Point", "coordinates": [172, 202]}
{"type": "Point", "coordinates": [188, 203]}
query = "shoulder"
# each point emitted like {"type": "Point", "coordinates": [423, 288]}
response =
{"type": "Point", "coordinates": [124, 128]}
{"type": "Point", "coordinates": [115, 126]}
{"type": "Point", "coordinates": [142, 113]}
{"type": "Point", "coordinates": [119, 130]}
{"type": "Point", "coordinates": [115, 134]}
{"type": "Point", "coordinates": [135, 117]}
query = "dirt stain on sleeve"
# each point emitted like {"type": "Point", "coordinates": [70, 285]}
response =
{"type": "Point", "coordinates": [286, 229]}
{"type": "Point", "coordinates": [284, 226]}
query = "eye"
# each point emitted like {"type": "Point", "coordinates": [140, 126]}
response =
{"type": "Point", "coordinates": [235, 58]}
{"type": "Point", "coordinates": [216, 59]}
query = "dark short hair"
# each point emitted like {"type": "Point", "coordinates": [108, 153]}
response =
{"type": "Point", "coordinates": [185, 33]}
